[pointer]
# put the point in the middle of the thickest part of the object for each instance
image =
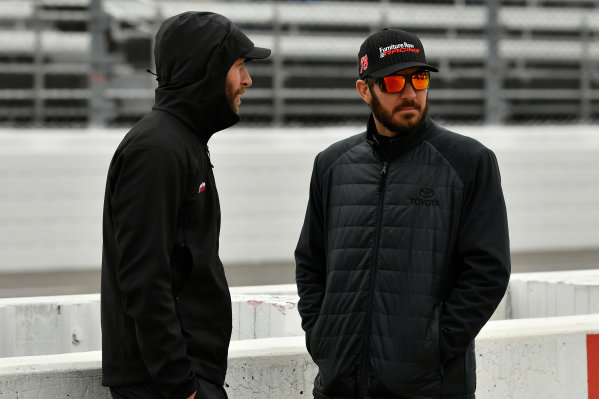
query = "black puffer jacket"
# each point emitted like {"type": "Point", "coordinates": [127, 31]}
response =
{"type": "Point", "coordinates": [166, 308]}
{"type": "Point", "coordinates": [403, 257]}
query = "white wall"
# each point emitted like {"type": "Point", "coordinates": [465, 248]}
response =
{"type": "Point", "coordinates": [52, 187]}
{"type": "Point", "coordinates": [68, 324]}
{"type": "Point", "coordinates": [554, 294]}
{"type": "Point", "coordinates": [535, 358]}
{"type": "Point", "coordinates": [62, 324]}
{"type": "Point", "coordinates": [516, 359]}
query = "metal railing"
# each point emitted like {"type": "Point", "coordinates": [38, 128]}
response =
{"type": "Point", "coordinates": [528, 60]}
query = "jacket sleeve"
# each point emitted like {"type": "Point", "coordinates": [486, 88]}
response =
{"type": "Point", "coordinates": [148, 190]}
{"type": "Point", "coordinates": [481, 257]}
{"type": "Point", "coordinates": [310, 259]}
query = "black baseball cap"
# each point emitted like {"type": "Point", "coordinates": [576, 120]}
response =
{"type": "Point", "coordinates": [254, 53]}
{"type": "Point", "coordinates": [257, 53]}
{"type": "Point", "coordinates": [196, 44]}
{"type": "Point", "coordinates": [389, 51]}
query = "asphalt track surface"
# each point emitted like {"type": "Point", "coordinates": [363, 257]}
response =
{"type": "Point", "coordinates": [88, 281]}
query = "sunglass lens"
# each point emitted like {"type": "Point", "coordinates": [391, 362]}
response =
{"type": "Point", "coordinates": [420, 80]}
{"type": "Point", "coordinates": [394, 83]}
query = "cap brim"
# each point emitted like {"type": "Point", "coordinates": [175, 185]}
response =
{"type": "Point", "coordinates": [400, 67]}
{"type": "Point", "coordinates": [257, 53]}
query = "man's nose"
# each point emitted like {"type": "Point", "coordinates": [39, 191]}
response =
{"type": "Point", "coordinates": [246, 80]}
{"type": "Point", "coordinates": [408, 91]}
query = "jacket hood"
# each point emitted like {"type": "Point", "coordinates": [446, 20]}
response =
{"type": "Point", "coordinates": [193, 53]}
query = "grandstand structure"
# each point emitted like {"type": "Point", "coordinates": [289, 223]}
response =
{"type": "Point", "coordinates": [82, 62]}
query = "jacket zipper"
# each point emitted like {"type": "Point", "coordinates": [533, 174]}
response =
{"type": "Point", "coordinates": [182, 238]}
{"type": "Point", "coordinates": [178, 294]}
{"type": "Point", "coordinates": [366, 354]}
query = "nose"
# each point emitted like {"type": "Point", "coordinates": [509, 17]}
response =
{"type": "Point", "coordinates": [246, 80]}
{"type": "Point", "coordinates": [408, 91]}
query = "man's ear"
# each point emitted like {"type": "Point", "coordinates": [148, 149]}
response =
{"type": "Point", "coordinates": [364, 91]}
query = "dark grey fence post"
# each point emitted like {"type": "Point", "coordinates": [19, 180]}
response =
{"type": "Point", "coordinates": [38, 63]}
{"type": "Point", "coordinates": [585, 72]}
{"type": "Point", "coordinates": [495, 109]}
{"type": "Point", "coordinates": [278, 77]}
{"type": "Point", "coordinates": [98, 106]}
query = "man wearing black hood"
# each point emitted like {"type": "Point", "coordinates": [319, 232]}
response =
{"type": "Point", "coordinates": [404, 252]}
{"type": "Point", "coordinates": [166, 307]}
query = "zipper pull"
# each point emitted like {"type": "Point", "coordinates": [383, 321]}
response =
{"type": "Point", "coordinates": [383, 175]}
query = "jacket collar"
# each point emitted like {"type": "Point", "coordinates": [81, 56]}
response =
{"type": "Point", "coordinates": [389, 148]}
{"type": "Point", "coordinates": [212, 114]}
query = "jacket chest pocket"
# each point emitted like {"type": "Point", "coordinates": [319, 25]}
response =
{"type": "Point", "coordinates": [200, 212]}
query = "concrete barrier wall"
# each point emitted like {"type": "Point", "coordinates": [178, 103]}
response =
{"type": "Point", "coordinates": [52, 187]}
{"type": "Point", "coordinates": [536, 358]}
{"type": "Point", "coordinates": [516, 359]}
{"type": "Point", "coordinates": [66, 324]}
{"type": "Point", "coordinates": [271, 313]}
{"type": "Point", "coordinates": [48, 325]}
{"type": "Point", "coordinates": [554, 294]}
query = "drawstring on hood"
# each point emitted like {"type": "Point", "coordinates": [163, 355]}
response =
{"type": "Point", "coordinates": [194, 52]}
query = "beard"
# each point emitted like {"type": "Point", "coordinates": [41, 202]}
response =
{"type": "Point", "coordinates": [232, 94]}
{"type": "Point", "coordinates": [405, 123]}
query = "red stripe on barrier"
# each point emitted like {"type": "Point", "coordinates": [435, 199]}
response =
{"type": "Point", "coordinates": [593, 365]}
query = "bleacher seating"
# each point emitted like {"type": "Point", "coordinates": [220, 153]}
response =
{"type": "Point", "coordinates": [548, 51]}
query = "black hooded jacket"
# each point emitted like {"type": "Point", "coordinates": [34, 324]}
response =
{"type": "Point", "coordinates": [403, 257]}
{"type": "Point", "coordinates": [166, 307]}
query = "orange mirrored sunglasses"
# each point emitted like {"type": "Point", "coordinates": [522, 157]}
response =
{"type": "Point", "coordinates": [396, 83]}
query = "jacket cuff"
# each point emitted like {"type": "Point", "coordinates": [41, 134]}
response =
{"type": "Point", "coordinates": [184, 390]}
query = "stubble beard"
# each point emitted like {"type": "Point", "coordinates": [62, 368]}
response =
{"type": "Point", "coordinates": [386, 117]}
{"type": "Point", "coordinates": [232, 94]}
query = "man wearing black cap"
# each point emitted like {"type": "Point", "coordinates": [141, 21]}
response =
{"type": "Point", "coordinates": [404, 252]}
{"type": "Point", "coordinates": [166, 307]}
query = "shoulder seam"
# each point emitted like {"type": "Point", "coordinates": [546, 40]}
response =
{"type": "Point", "coordinates": [457, 176]}
{"type": "Point", "coordinates": [342, 154]}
